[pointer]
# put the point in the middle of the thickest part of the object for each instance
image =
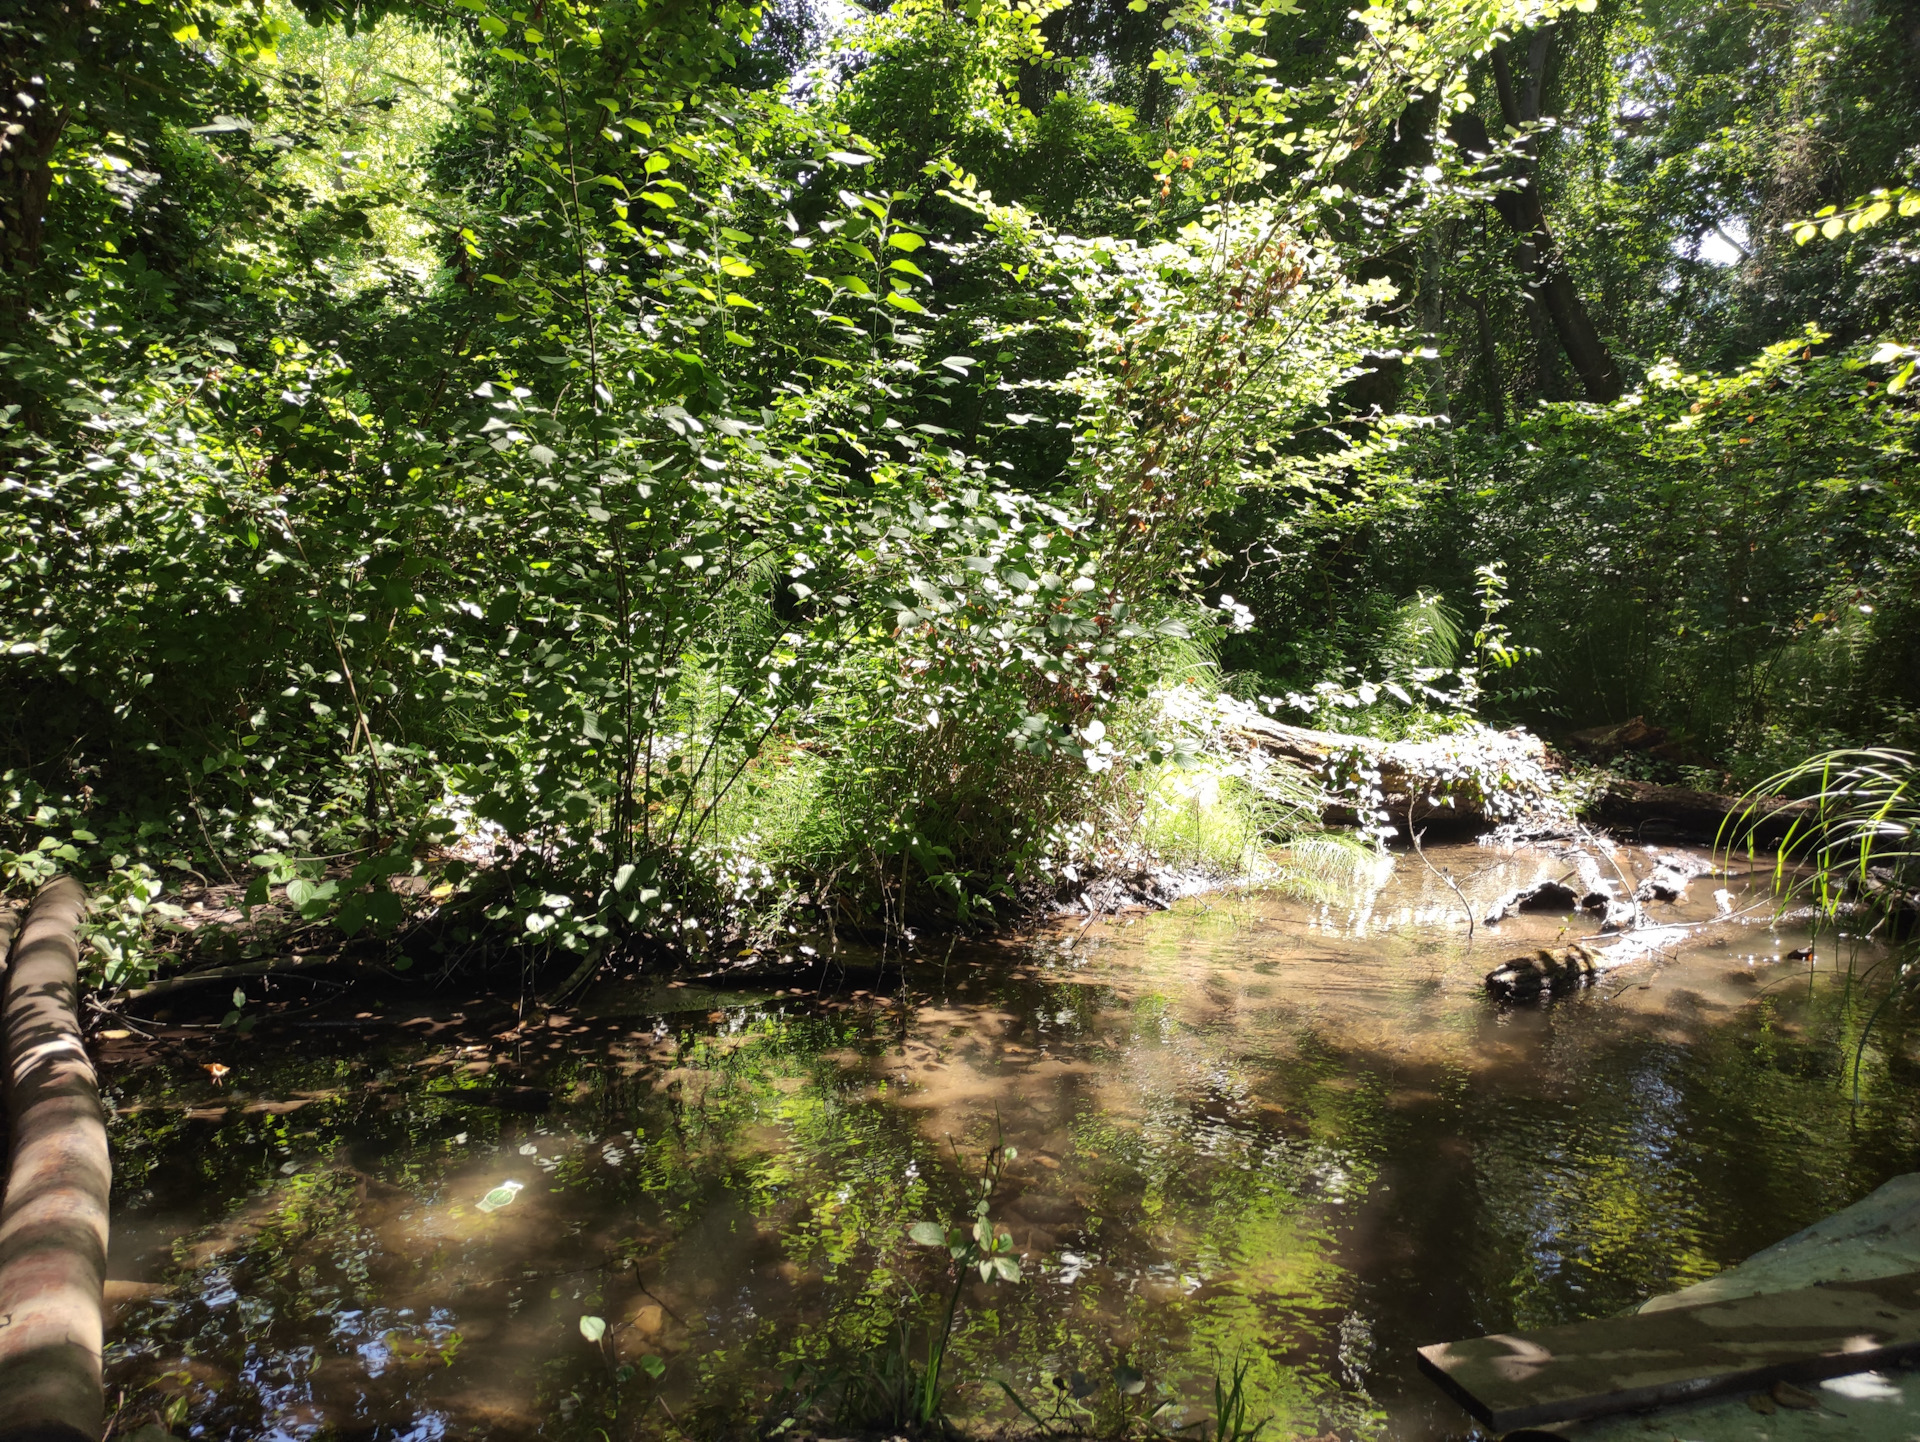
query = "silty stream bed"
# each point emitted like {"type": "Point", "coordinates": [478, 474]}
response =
{"type": "Point", "coordinates": [1296, 1136]}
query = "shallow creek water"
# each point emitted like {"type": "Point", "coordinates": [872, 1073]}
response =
{"type": "Point", "coordinates": [1290, 1136]}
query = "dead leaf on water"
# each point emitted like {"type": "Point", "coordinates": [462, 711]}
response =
{"type": "Point", "coordinates": [1798, 1398]}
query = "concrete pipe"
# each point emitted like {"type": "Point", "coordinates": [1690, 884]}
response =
{"type": "Point", "coordinates": [53, 1226]}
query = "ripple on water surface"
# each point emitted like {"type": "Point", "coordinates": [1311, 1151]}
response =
{"type": "Point", "coordinates": [1289, 1137]}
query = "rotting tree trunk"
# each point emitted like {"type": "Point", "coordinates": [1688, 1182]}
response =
{"type": "Point", "coordinates": [1636, 810]}
{"type": "Point", "coordinates": [1641, 811]}
{"type": "Point", "coordinates": [1303, 743]}
{"type": "Point", "coordinates": [1313, 749]}
{"type": "Point", "coordinates": [53, 1226]}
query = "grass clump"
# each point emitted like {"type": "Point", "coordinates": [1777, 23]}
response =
{"type": "Point", "coordinates": [1205, 820]}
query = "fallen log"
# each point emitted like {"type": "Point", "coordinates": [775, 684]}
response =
{"type": "Point", "coordinates": [53, 1224]}
{"type": "Point", "coordinates": [278, 969]}
{"type": "Point", "coordinates": [1607, 742]}
{"type": "Point", "coordinates": [1450, 777]}
{"type": "Point", "coordinates": [1639, 809]}
{"type": "Point", "coordinates": [1303, 743]}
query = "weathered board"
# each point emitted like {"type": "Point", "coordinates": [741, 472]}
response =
{"type": "Point", "coordinates": [1654, 1359]}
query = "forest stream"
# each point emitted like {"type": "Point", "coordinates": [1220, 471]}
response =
{"type": "Point", "coordinates": [1291, 1138]}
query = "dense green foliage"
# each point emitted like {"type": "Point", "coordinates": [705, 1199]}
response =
{"type": "Point", "coordinates": [638, 465]}
{"type": "Point", "coordinates": [1724, 540]}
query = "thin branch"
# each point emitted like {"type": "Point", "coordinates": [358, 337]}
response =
{"type": "Point", "coordinates": [1445, 876]}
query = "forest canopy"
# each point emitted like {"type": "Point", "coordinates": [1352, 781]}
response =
{"type": "Point", "coordinates": [640, 468]}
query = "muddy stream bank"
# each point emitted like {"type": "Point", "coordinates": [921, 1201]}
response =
{"type": "Point", "coordinates": [1292, 1134]}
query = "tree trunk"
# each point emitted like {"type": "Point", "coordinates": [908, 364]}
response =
{"type": "Point", "coordinates": [1492, 379]}
{"type": "Point", "coordinates": [53, 1226]}
{"type": "Point", "coordinates": [1549, 285]}
{"type": "Point", "coordinates": [30, 129]}
{"type": "Point", "coordinates": [1410, 147]}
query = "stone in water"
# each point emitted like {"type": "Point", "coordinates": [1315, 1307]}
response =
{"type": "Point", "coordinates": [1546, 970]}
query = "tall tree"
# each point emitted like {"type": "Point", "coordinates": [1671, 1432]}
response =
{"type": "Point", "coordinates": [1550, 286]}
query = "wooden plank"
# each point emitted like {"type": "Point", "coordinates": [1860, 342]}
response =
{"type": "Point", "coordinates": [1655, 1359]}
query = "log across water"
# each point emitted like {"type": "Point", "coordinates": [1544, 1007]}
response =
{"type": "Point", "coordinates": [1638, 810]}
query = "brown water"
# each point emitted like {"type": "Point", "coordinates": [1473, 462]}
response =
{"type": "Point", "coordinates": [1288, 1137]}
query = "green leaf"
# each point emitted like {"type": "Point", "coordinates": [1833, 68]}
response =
{"type": "Point", "coordinates": [384, 910]}
{"type": "Point", "coordinates": [310, 897]}
{"type": "Point", "coordinates": [928, 1234]}
{"type": "Point", "coordinates": [905, 240]}
{"type": "Point", "coordinates": [593, 1328]}
{"type": "Point", "coordinates": [652, 1366]}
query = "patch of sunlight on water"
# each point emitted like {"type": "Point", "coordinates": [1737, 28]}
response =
{"type": "Point", "coordinates": [1292, 1136]}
